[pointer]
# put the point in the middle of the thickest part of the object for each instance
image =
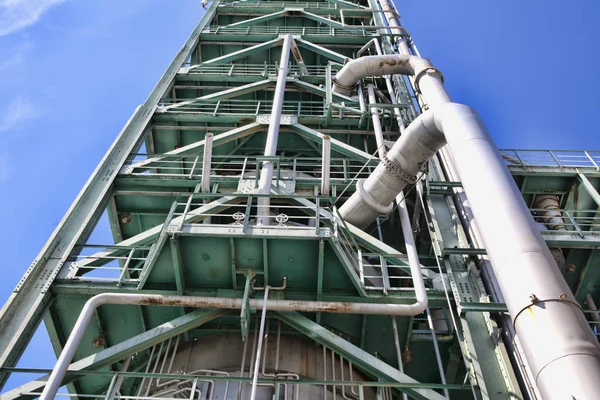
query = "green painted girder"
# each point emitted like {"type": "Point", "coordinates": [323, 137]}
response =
{"type": "Point", "coordinates": [122, 350]}
{"type": "Point", "coordinates": [336, 145]}
{"type": "Point", "coordinates": [248, 51]}
{"type": "Point", "coordinates": [360, 358]}
{"type": "Point", "coordinates": [258, 19]}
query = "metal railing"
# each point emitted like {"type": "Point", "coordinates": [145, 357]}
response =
{"type": "Point", "coordinates": [552, 158]}
{"type": "Point", "coordinates": [577, 222]}
{"type": "Point", "coordinates": [327, 5]}
{"type": "Point", "coordinates": [291, 30]}
{"type": "Point", "coordinates": [264, 70]}
{"type": "Point", "coordinates": [108, 263]}
{"type": "Point", "coordinates": [300, 170]}
{"type": "Point", "coordinates": [251, 107]}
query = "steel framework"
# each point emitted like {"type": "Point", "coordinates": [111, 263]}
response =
{"type": "Point", "coordinates": [222, 193]}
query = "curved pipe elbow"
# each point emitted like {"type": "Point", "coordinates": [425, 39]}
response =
{"type": "Point", "coordinates": [357, 69]}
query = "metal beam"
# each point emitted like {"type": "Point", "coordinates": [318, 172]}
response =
{"type": "Point", "coordinates": [177, 266]}
{"type": "Point", "coordinates": [336, 145]}
{"type": "Point", "coordinates": [119, 351]}
{"type": "Point", "coordinates": [156, 248]}
{"type": "Point", "coordinates": [332, 55]}
{"type": "Point", "coordinates": [225, 94]}
{"type": "Point", "coordinates": [589, 188]}
{"type": "Point", "coordinates": [195, 148]}
{"type": "Point", "coordinates": [257, 20]}
{"type": "Point", "coordinates": [359, 358]}
{"type": "Point", "coordinates": [248, 51]}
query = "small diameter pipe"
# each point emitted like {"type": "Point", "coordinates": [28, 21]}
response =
{"type": "Point", "coordinates": [398, 352]}
{"type": "Point", "coordinates": [60, 369]}
{"type": "Point", "coordinates": [206, 167]}
{"type": "Point", "coordinates": [326, 166]}
{"type": "Point", "coordinates": [376, 121]}
{"type": "Point", "coordinates": [260, 342]}
{"type": "Point", "coordinates": [436, 349]}
{"type": "Point", "coordinates": [589, 300]}
{"type": "Point", "coordinates": [266, 174]}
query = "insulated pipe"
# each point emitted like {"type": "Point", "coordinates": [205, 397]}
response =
{"type": "Point", "coordinates": [388, 80]}
{"type": "Point", "coordinates": [409, 156]}
{"type": "Point", "coordinates": [553, 220]}
{"type": "Point", "coordinates": [266, 173]}
{"type": "Point", "coordinates": [347, 78]}
{"type": "Point", "coordinates": [66, 356]}
{"type": "Point", "coordinates": [566, 363]}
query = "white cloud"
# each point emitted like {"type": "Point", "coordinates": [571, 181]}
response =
{"type": "Point", "coordinates": [19, 14]}
{"type": "Point", "coordinates": [19, 111]}
{"type": "Point", "coordinates": [16, 57]}
{"type": "Point", "coordinates": [4, 169]}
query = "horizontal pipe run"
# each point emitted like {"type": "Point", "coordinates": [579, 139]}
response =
{"type": "Point", "coordinates": [59, 371]}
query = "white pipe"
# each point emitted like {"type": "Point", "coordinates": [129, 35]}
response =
{"type": "Point", "coordinates": [58, 373]}
{"type": "Point", "coordinates": [589, 300]}
{"type": "Point", "coordinates": [260, 342]}
{"type": "Point", "coordinates": [398, 352]}
{"type": "Point", "coordinates": [376, 121]}
{"type": "Point", "coordinates": [409, 155]}
{"type": "Point", "coordinates": [206, 168]}
{"type": "Point", "coordinates": [567, 362]}
{"type": "Point", "coordinates": [436, 349]}
{"type": "Point", "coordinates": [326, 166]}
{"type": "Point", "coordinates": [266, 174]}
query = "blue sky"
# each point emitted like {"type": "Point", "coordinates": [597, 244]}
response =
{"type": "Point", "coordinates": [72, 72]}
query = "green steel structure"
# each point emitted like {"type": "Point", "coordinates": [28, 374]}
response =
{"type": "Point", "coordinates": [197, 235]}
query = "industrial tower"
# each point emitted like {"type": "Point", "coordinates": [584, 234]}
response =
{"type": "Point", "coordinates": [300, 211]}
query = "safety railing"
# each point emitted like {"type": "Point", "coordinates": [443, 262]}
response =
{"type": "Point", "coordinates": [244, 211]}
{"type": "Point", "coordinates": [300, 170]}
{"type": "Point", "coordinates": [108, 263]}
{"type": "Point", "coordinates": [576, 222]}
{"type": "Point", "coordinates": [249, 107]}
{"type": "Point", "coordinates": [552, 158]}
{"type": "Point", "coordinates": [264, 70]}
{"type": "Point", "coordinates": [376, 272]}
{"type": "Point", "coordinates": [382, 272]}
{"type": "Point", "coordinates": [291, 30]}
{"type": "Point", "coordinates": [327, 5]}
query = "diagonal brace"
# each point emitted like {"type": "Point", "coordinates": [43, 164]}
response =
{"type": "Point", "coordinates": [360, 358]}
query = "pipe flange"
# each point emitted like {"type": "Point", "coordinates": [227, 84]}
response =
{"type": "Point", "coordinates": [398, 172]}
{"type": "Point", "coordinates": [371, 202]}
{"type": "Point", "coordinates": [430, 71]}
{"type": "Point", "coordinates": [339, 85]}
{"type": "Point", "coordinates": [563, 298]}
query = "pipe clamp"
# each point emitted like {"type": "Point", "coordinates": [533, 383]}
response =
{"type": "Point", "coordinates": [398, 172]}
{"type": "Point", "coordinates": [430, 71]}
{"type": "Point", "coordinates": [534, 300]}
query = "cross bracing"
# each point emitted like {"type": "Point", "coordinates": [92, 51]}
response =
{"type": "Point", "coordinates": [180, 187]}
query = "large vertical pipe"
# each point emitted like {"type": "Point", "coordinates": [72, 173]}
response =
{"type": "Point", "coordinates": [266, 174]}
